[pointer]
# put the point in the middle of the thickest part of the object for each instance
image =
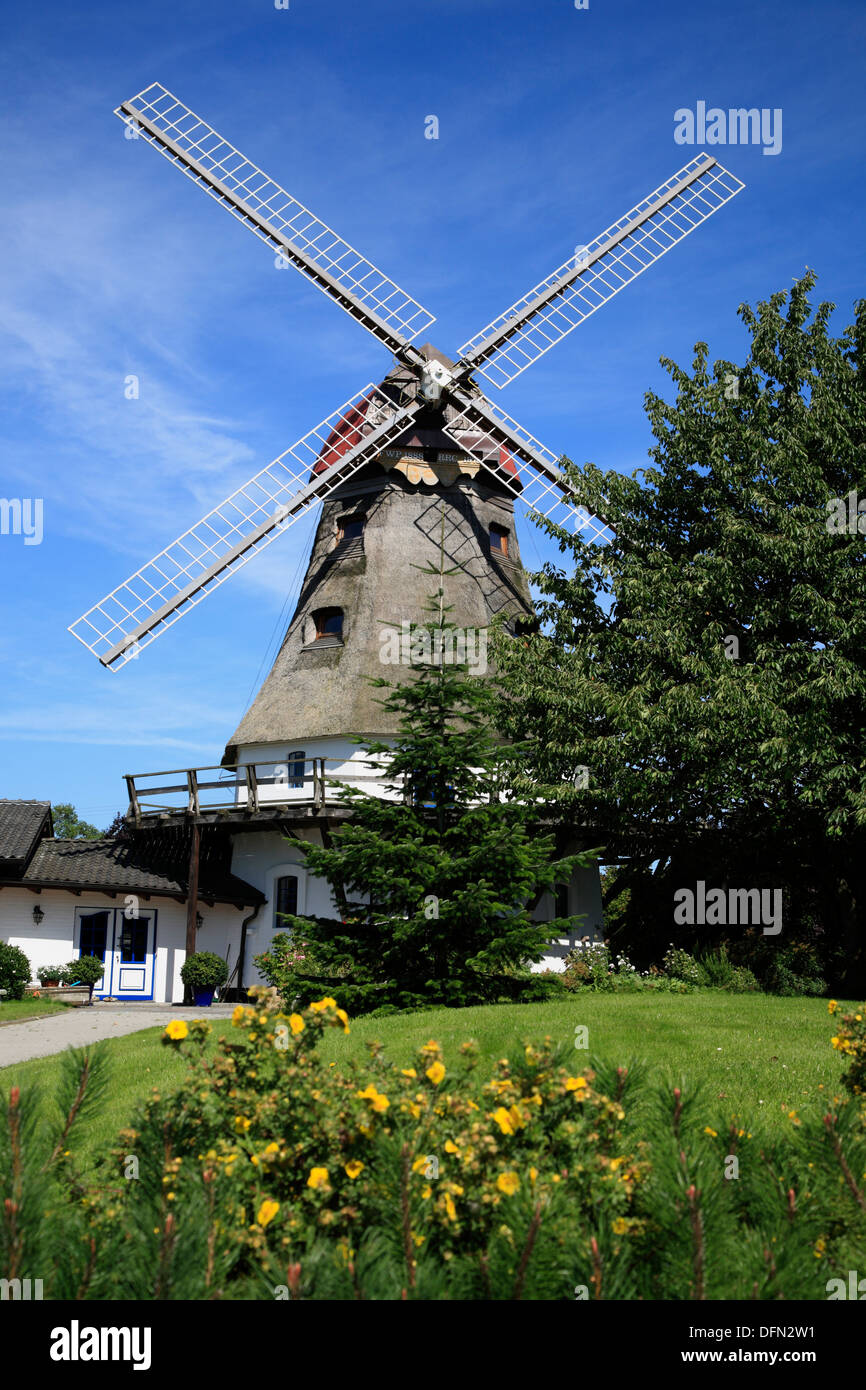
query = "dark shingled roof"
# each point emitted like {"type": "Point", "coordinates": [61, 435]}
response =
{"type": "Point", "coordinates": [144, 863]}
{"type": "Point", "coordinates": [21, 823]}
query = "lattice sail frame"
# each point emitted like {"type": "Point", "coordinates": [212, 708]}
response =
{"type": "Point", "coordinates": [485, 430]}
{"type": "Point", "coordinates": [179, 577]}
{"type": "Point", "coordinates": [554, 307]}
{"type": "Point", "coordinates": [277, 218]}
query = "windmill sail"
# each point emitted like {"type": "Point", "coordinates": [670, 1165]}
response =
{"type": "Point", "coordinates": [527, 468]}
{"type": "Point", "coordinates": [179, 577]}
{"type": "Point", "coordinates": [622, 252]}
{"type": "Point", "coordinates": [278, 219]}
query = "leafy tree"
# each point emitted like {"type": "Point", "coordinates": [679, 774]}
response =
{"type": "Point", "coordinates": [437, 883]}
{"type": "Point", "coordinates": [707, 666]}
{"type": "Point", "coordinates": [68, 825]}
{"type": "Point", "coordinates": [15, 971]}
{"type": "Point", "coordinates": [118, 829]}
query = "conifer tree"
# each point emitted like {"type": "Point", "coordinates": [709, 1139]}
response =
{"type": "Point", "coordinates": [436, 882]}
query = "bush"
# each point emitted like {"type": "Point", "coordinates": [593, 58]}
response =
{"type": "Point", "coordinates": [84, 971]}
{"type": "Point", "coordinates": [850, 1040]}
{"type": "Point", "coordinates": [15, 973]}
{"type": "Point", "coordinates": [783, 966]}
{"type": "Point", "coordinates": [272, 1174]}
{"type": "Point", "coordinates": [681, 966]}
{"type": "Point", "coordinates": [204, 970]}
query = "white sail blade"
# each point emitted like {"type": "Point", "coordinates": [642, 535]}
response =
{"type": "Point", "coordinates": [173, 582]}
{"type": "Point", "coordinates": [528, 469]}
{"type": "Point", "coordinates": [553, 308]}
{"type": "Point", "coordinates": [278, 219]}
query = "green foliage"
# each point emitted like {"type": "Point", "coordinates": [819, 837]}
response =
{"type": "Point", "coordinates": [274, 1175]}
{"type": "Point", "coordinates": [15, 972]}
{"type": "Point", "coordinates": [435, 884]}
{"type": "Point", "coordinates": [682, 966]}
{"type": "Point", "coordinates": [708, 665]}
{"type": "Point", "coordinates": [204, 970]}
{"type": "Point", "coordinates": [84, 971]}
{"type": "Point", "coordinates": [68, 825]}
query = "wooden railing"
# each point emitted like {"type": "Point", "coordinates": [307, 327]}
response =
{"type": "Point", "coordinates": [243, 787]}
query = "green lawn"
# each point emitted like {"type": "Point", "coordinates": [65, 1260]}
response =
{"type": "Point", "coordinates": [14, 1010]}
{"type": "Point", "coordinates": [759, 1056]}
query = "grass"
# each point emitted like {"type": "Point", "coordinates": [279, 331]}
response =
{"type": "Point", "coordinates": [16, 1010]}
{"type": "Point", "coordinates": [756, 1054]}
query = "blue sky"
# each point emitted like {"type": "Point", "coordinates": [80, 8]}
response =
{"type": "Point", "coordinates": [552, 123]}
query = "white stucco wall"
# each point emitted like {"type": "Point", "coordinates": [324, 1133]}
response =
{"type": "Point", "coordinates": [260, 858]}
{"type": "Point", "coordinates": [52, 942]}
{"type": "Point", "coordinates": [584, 896]}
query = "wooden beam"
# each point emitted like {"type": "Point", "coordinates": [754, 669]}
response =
{"type": "Point", "coordinates": [192, 896]}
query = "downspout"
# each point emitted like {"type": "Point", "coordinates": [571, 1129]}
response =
{"type": "Point", "coordinates": [243, 946]}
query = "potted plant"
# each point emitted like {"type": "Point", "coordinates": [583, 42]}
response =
{"type": "Point", "coordinates": [84, 971]}
{"type": "Point", "coordinates": [50, 976]}
{"type": "Point", "coordinates": [204, 972]}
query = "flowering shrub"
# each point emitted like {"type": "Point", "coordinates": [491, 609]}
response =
{"type": "Point", "coordinates": [273, 1174]}
{"type": "Point", "coordinates": [850, 1040]}
{"type": "Point", "coordinates": [681, 966]}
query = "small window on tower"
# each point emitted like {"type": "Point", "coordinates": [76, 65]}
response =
{"type": "Point", "coordinates": [328, 623]}
{"type": "Point", "coordinates": [349, 528]}
{"type": "Point", "coordinates": [499, 538]}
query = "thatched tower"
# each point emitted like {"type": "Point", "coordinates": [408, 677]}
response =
{"type": "Point", "coordinates": [365, 580]}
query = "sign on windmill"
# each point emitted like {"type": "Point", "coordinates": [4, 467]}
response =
{"type": "Point", "coordinates": [179, 577]}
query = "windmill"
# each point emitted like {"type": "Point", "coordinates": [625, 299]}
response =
{"type": "Point", "coordinates": [427, 399]}
{"type": "Point", "coordinates": [420, 463]}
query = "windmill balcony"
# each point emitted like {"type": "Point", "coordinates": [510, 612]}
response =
{"type": "Point", "coordinates": [248, 792]}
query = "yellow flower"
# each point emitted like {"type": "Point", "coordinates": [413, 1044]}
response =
{"type": "Point", "coordinates": [503, 1119]}
{"type": "Point", "coordinates": [707, 1130]}
{"type": "Point", "coordinates": [426, 1193]}
{"type": "Point", "coordinates": [574, 1083]}
{"type": "Point", "coordinates": [508, 1183]}
{"type": "Point", "coordinates": [435, 1072]}
{"type": "Point", "coordinates": [353, 1168]}
{"type": "Point", "coordinates": [326, 1003]}
{"type": "Point", "coordinates": [296, 1023]}
{"type": "Point", "coordinates": [451, 1147]}
{"type": "Point", "coordinates": [344, 1019]}
{"type": "Point", "coordinates": [832, 1006]}
{"type": "Point", "coordinates": [272, 1148]}
{"type": "Point", "coordinates": [620, 1226]}
{"type": "Point", "coordinates": [378, 1101]}
{"type": "Point", "coordinates": [318, 1178]}
{"type": "Point", "coordinates": [176, 1030]}
{"type": "Point", "coordinates": [267, 1212]}
{"type": "Point", "coordinates": [238, 1015]}
{"type": "Point", "coordinates": [533, 1174]}
{"type": "Point", "coordinates": [241, 1122]}
{"type": "Point", "coordinates": [450, 1207]}
{"type": "Point", "coordinates": [420, 1163]}
{"type": "Point", "coordinates": [408, 1071]}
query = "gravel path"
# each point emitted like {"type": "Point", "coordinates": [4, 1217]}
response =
{"type": "Point", "coordinates": [20, 1042]}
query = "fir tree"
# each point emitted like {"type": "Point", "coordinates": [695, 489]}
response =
{"type": "Point", "coordinates": [435, 883]}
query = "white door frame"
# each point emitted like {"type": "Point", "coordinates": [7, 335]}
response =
{"type": "Point", "coordinates": [121, 980]}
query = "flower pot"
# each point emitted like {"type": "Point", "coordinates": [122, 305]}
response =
{"type": "Point", "coordinates": [203, 998]}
